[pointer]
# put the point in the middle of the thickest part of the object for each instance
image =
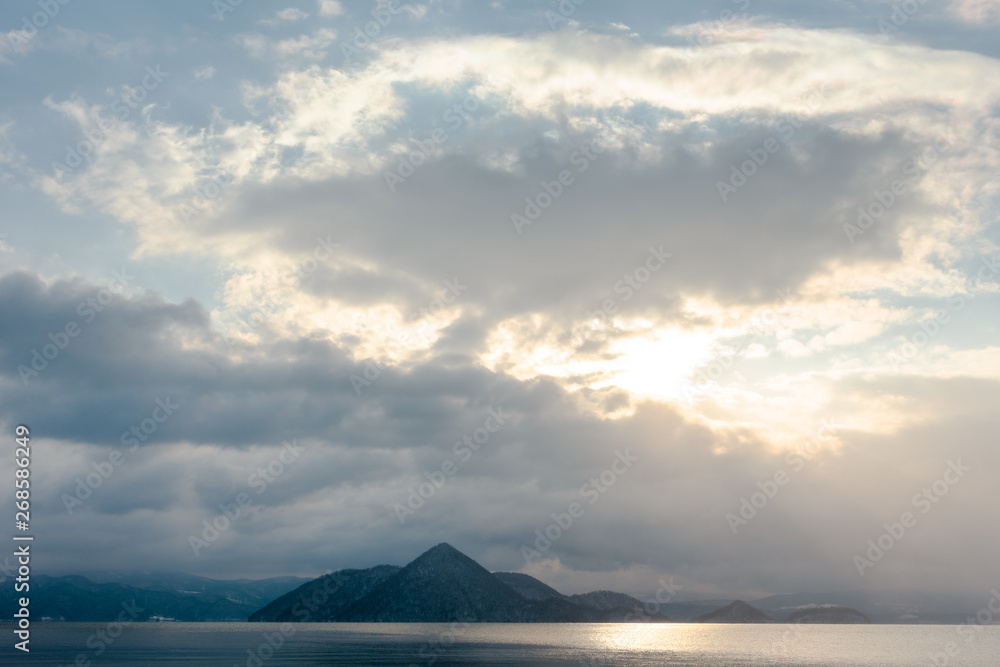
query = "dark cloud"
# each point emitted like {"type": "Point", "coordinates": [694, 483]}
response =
{"type": "Point", "coordinates": [333, 505]}
{"type": "Point", "coordinates": [452, 220]}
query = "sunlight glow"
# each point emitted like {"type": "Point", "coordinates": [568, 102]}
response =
{"type": "Point", "coordinates": [657, 364]}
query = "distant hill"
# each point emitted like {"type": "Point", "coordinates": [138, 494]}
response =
{"type": "Point", "coordinates": [455, 583]}
{"type": "Point", "coordinates": [323, 599]}
{"type": "Point", "coordinates": [617, 607]}
{"type": "Point", "coordinates": [440, 585]}
{"type": "Point", "coordinates": [74, 598]}
{"type": "Point", "coordinates": [529, 587]}
{"type": "Point", "coordinates": [254, 592]}
{"type": "Point", "coordinates": [444, 585]}
{"type": "Point", "coordinates": [735, 612]}
{"type": "Point", "coordinates": [880, 606]}
{"type": "Point", "coordinates": [827, 615]}
{"type": "Point", "coordinates": [605, 600]}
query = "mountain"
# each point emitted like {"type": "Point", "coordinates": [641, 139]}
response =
{"type": "Point", "coordinates": [324, 598]}
{"type": "Point", "coordinates": [529, 587]}
{"type": "Point", "coordinates": [253, 592]}
{"type": "Point", "coordinates": [605, 600]}
{"type": "Point", "coordinates": [684, 611]}
{"type": "Point", "coordinates": [617, 607]}
{"type": "Point", "coordinates": [827, 614]}
{"type": "Point", "coordinates": [440, 585]}
{"type": "Point", "coordinates": [735, 612]}
{"type": "Point", "coordinates": [75, 598]}
{"type": "Point", "coordinates": [881, 606]}
{"type": "Point", "coordinates": [444, 585]}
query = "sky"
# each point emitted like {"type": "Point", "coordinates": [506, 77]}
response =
{"type": "Point", "coordinates": [599, 292]}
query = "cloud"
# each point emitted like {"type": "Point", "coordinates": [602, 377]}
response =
{"type": "Point", "coordinates": [204, 73]}
{"type": "Point", "coordinates": [12, 161]}
{"type": "Point", "coordinates": [332, 151]}
{"type": "Point", "coordinates": [287, 15]}
{"type": "Point", "coordinates": [362, 455]}
{"type": "Point", "coordinates": [72, 40]}
{"type": "Point", "coordinates": [976, 11]}
{"type": "Point", "coordinates": [352, 473]}
{"type": "Point", "coordinates": [509, 261]}
{"type": "Point", "coordinates": [330, 8]}
{"type": "Point", "coordinates": [15, 43]}
{"type": "Point", "coordinates": [312, 47]}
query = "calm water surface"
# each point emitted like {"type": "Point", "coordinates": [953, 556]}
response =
{"type": "Point", "coordinates": [259, 644]}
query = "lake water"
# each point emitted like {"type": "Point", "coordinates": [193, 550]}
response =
{"type": "Point", "coordinates": [258, 644]}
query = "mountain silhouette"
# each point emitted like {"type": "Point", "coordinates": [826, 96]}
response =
{"type": "Point", "coordinates": [324, 598]}
{"type": "Point", "coordinates": [737, 611]}
{"type": "Point", "coordinates": [443, 585]}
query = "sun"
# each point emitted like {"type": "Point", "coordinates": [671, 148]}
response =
{"type": "Point", "coordinates": [657, 364]}
{"type": "Point", "coordinates": [647, 360]}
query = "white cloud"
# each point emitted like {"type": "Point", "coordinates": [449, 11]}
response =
{"type": "Point", "coordinates": [330, 8]}
{"type": "Point", "coordinates": [976, 11]}
{"type": "Point", "coordinates": [16, 43]}
{"type": "Point", "coordinates": [291, 14]}
{"type": "Point", "coordinates": [337, 123]}
{"type": "Point", "coordinates": [12, 161]}
{"type": "Point", "coordinates": [312, 47]}
{"type": "Point", "coordinates": [287, 15]}
{"type": "Point", "coordinates": [204, 73]}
